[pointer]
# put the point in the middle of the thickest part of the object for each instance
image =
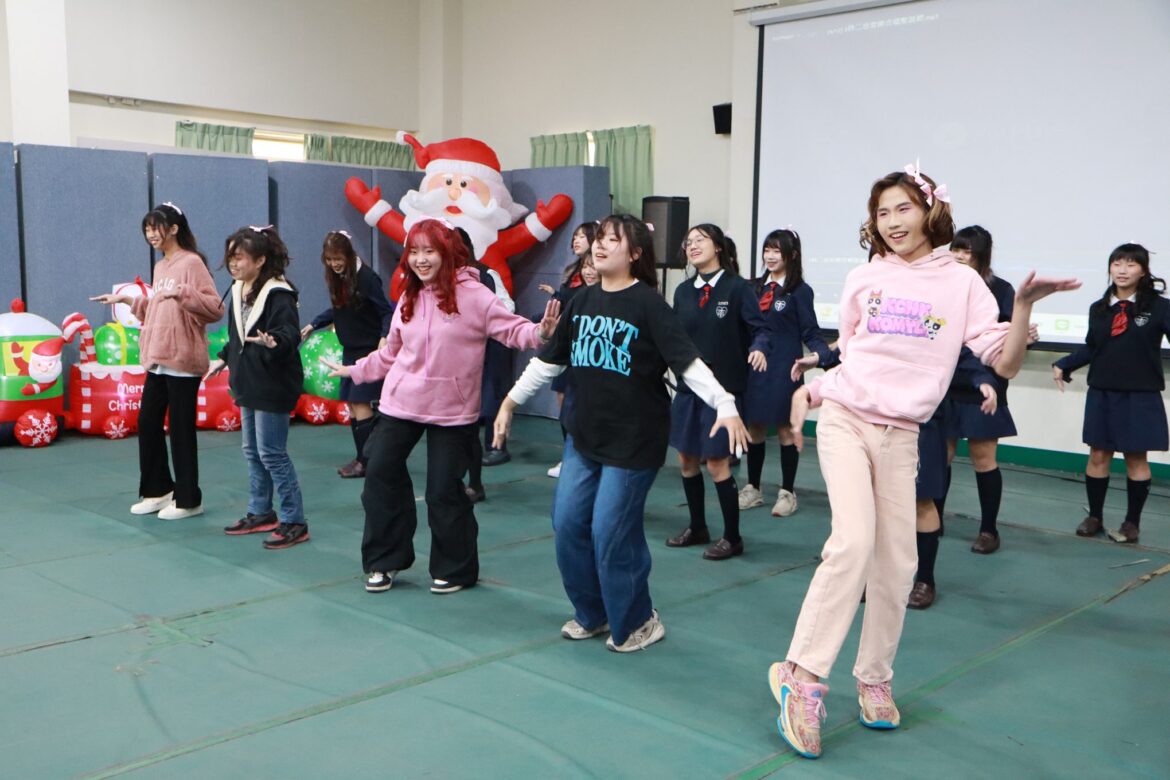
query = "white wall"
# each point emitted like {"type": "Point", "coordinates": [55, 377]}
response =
{"type": "Point", "coordinates": [607, 63]}
{"type": "Point", "coordinates": [347, 61]}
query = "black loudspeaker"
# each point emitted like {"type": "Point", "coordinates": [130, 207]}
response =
{"type": "Point", "coordinates": [722, 113]}
{"type": "Point", "coordinates": [669, 216]}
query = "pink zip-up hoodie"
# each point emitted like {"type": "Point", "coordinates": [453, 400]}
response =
{"type": "Point", "coordinates": [433, 365]}
{"type": "Point", "coordinates": [901, 328]}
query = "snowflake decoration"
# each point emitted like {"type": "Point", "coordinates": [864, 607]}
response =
{"type": "Point", "coordinates": [116, 428]}
{"type": "Point", "coordinates": [228, 422]}
{"type": "Point", "coordinates": [318, 413]}
{"type": "Point", "coordinates": [40, 431]}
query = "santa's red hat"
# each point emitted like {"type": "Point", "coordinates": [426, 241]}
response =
{"type": "Point", "coordinates": [463, 155]}
{"type": "Point", "coordinates": [50, 348]}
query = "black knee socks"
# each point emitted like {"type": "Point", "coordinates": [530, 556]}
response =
{"type": "Point", "coordinates": [755, 459]}
{"type": "Point", "coordinates": [1136, 492]}
{"type": "Point", "coordinates": [990, 484]}
{"type": "Point", "coordinates": [728, 494]}
{"type": "Point", "coordinates": [927, 553]}
{"type": "Point", "coordinates": [940, 504]}
{"type": "Point", "coordinates": [361, 432]}
{"type": "Point", "coordinates": [693, 490]}
{"type": "Point", "coordinates": [1095, 489]}
{"type": "Point", "coordinates": [789, 459]}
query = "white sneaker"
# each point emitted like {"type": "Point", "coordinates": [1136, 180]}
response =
{"type": "Point", "coordinates": [574, 630]}
{"type": "Point", "coordinates": [172, 512]}
{"type": "Point", "coordinates": [148, 506]}
{"type": "Point", "coordinates": [647, 634]}
{"type": "Point", "coordinates": [785, 504]}
{"type": "Point", "coordinates": [379, 581]}
{"type": "Point", "coordinates": [442, 586]}
{"type": "Point", "coordinates": [555, 471]}
{"type": "Point", "coordinates": [750, 496]}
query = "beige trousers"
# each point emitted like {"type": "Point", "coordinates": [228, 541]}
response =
{"type": "Point", "coordinates": [869, 471]}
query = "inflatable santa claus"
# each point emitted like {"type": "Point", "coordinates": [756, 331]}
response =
{"type": "Point", "coordinates": [463, 185]}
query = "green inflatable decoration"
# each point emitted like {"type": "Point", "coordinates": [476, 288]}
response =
{"type": "Point", "coordinates": [116, 345]}
{"type": "Point", "coordinates": [321, 344]}
{"type": "Point", "coordinates": [216, 341]}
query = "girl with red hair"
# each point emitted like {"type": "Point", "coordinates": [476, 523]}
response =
{"type": "Point", "coordinates": [432, 364]}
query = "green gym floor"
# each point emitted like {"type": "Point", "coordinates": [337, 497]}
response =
{"type": "Point", "coordinates": [134, 646]}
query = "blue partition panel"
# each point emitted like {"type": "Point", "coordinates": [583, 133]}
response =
{"type": "Point", "coordinates": [81, 215]}
{"type": "Point", "coordinates": [588, 186]}
{"type": "Point", "coordinates": [307, 200]}
{"type": "Point", "coordinates": [394, 184]}
{"type": "Point", "coordinates": [10, 271]}
{"type": "Point", "coordinates": [217, 194]}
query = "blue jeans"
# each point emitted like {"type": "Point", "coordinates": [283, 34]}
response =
{"type": "Point", "coordinates": [265, 442]}
{"type": "Point", "coordinates": [601, 542]}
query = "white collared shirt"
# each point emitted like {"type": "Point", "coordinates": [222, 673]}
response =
{"type": "Point", "coordinates": [699, 281]}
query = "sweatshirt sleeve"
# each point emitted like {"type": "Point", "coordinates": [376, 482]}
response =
{"type": "Point", "coordinates": [985, 334]}
{"type": "Point", "coordinates": [703, 383]}
{"type": "Point", "coordinates": [536, 375]}
{"type": "Point", "coordinates": [377, 364]}
{"type": "Point", "coordinates": [509, 329]}
{"type": "Point", "coordinates": [198, 296]}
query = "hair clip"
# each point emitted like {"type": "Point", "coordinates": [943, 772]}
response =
{"type": "Point", "coordinates": [440, 220]}
{"type": "Point", "coordinates": [931, 193]}
{"type": "Point", "coordinates": [260, 228]}
{"type": "Point", "coordinates": [178, 210]}
{"type": "Point", "coordinates": [344, 233]}
{"type": "Point", "coordinates": [650, 226]}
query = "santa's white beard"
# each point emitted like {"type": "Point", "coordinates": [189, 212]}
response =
{"type": "Point", "coordinates": [482, 223]}
{"type": "Point", "coordinates": [43, 372]}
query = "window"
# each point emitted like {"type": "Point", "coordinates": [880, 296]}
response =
{"type": "Point", "coordinates": [276, 145]}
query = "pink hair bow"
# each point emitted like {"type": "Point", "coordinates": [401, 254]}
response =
{"type": "Point", "coordinates": [939, 192]}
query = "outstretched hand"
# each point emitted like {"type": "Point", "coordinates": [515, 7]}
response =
{"type": "Point", "coordinates": [803, 365]}
{"type": "Point", "coordinates": [552, 315]}
{"type": "Point", "coordinates": [736, 433]}
{"type": "Point", "coordinates": [1035, 288]}
{"type": "Point", "coordinates": [335, 369]}
{"type": "Point", "coordinates": [262, 338]}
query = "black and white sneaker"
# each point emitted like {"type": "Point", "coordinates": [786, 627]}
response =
{"type": "Point", "coordinates": [379, 581]}
{"type": "Point", "coordinates": [442, 586]}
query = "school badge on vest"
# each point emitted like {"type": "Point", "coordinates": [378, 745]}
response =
{"type": "Point", "coordinates": [780, 305]}
{"type": "Point", "coordinates": [721, 309]}
{"type": "Point", "coordinates": [1141, 319]}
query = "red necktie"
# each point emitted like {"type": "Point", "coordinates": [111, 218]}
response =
{"type": "Point", "coordinates": [1120, 320]}
{"type": "Point", "coordinates": [768, 296]}
{"type": "Point", "coordinates": [705, 296]}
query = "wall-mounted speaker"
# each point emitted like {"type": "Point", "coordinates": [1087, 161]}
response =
{"type": "Point", "coordinates": [669, 216]}
{"type": "Point", "coordinates": [722, 114]}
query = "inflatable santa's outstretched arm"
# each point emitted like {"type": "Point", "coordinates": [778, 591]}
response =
{"type": "Point", "coordinates": [377, 212]}
{"type": "Point", "coordinates": [537, 226]}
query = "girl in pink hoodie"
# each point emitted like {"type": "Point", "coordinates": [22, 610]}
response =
{"type": "Point", "coordinates": [903, 319]}
{"type": "Point", "coordinates": [432, 364]}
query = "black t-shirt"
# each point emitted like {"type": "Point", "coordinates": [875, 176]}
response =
{"type": "Point", "coordinates": [617, 346]}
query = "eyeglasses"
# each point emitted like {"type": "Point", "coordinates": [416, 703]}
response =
{"type": "Point", "coordinates": [690, 242]}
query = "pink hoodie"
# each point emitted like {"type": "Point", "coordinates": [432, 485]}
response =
{"type": "Point", "coordinates": [433, 365]}
{"type": "Point", "coordinates": [901, 328]}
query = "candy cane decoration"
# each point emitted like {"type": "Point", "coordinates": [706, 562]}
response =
{"type": "Point", "coordinates": [77, 323]}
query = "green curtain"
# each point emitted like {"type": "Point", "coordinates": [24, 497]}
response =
{"type": "Point", "coordinates": [316, 146]}
{"type": "Point", "coordinates": [214, 138]}
{"type": "Point", "coordinates": [628, 152]}
{"type": "Point", "coordinates": [363, 151]}
{"type": "Point", "coordinates": [560, 149]}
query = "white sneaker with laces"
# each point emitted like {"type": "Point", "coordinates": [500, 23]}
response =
{"type": "Point", "coordinates": [172, 512]}
{"type": "Point", "coordinates": [148, 506]}
{"type": "Point", "coordinates": [642, 637]}
{"type": "Point", "coordinates": [442, 586]}
{"type": "Point", "coordinates": [785, 504]}
{"type": "Point", "coordinates": [750, 497]}
{"type": "Point", "coordinates": [555, 471]}
{"type": "Point", "coordinates": [574, 630]}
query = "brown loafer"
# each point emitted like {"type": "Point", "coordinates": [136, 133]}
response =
{"type": "Point", "coordinates": [1090, 526]}
{"type": "Point", "coordinates": [1127, 534]}
{"type": "Point", "coordinates": [985, 543]}
{"type": "Point", "coordinates": [352, 470]}
{"type": "Point", "coordinates": [921, 597]}
{"type": "Point", "coordinates": [722, 550]}
{"type": "Point", "coordinates": [689, 537]}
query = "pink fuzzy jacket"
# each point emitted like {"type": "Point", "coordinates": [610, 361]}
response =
{"type": "Point", "coordinates": [174, 327]}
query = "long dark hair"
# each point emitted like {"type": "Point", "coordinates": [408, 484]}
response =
{"type": "Point", "coordinates": [589, 230]}
{"type": "Point", "coordinates": [977, 241]}
{"type": "Point", "coordinates": [1148, 287]}
{"type": "Point", "coordinates": [727, 256]}
{"type": "Point", "coordinates": [259, 242]}
{"type": "Point", "coordinates": [787, 242]}
{"type": "Point", "coordinates": [167, 215]}
{"type": "Point", "coordinates": [637, 235]}
{"type": "Point", "coordinates": [343, 287]}
{"type": "Point", "coordinates": [939, 226]}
